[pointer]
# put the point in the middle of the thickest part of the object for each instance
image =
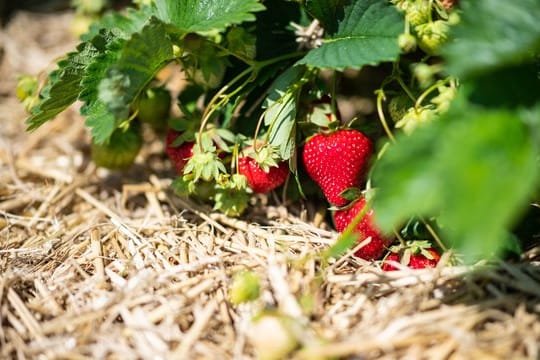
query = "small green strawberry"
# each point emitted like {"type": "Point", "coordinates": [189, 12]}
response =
{"type": "Point", "coordinates": [407, 42]}
{"type": "Point", "coordinates": [245, 287]}
{"type": "Point", "coordinates": [337, 161]}
{"type": "Point", "coordinates": [398, 106]}
{"type": "Point", "coordinates": [120, 151]}
{"type": "Point", "coordinates": [153, 107]}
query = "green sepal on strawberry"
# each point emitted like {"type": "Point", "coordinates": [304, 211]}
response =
{"type": "Point", "coordinates": [337, 161]}
{"type": "Point", "coordinates": [263, 170]}
{"type": "Point", "coordinates": [414, 254]}
{"type": "Point", "coordinates": [178, 150]}
{"type": "Point", "coordinates": [120, 151]}
{"type": "Point", "coordinates": [365, 228]}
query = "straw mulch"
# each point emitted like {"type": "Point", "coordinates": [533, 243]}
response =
{"type": "Point", "coordinates": [113, 265]}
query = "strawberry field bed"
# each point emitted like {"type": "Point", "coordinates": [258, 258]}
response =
{"type": "Point", "coordinates": [99, 264]}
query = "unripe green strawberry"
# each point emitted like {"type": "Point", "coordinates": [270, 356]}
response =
{"type": "Point", "coordinates": [153, 107]}
{"type": "Point", "coordinates": [337, 161]}
{"type": "Point", "coordinates": [245, 287]}
{"type": "Point", "coordinates": [407, 42]}
{"type": "Point", "coordinates": [120, 151]}
{"type": "Point", "coordinates": [398, 106]}
{"type": "Point", "coordinates": [432, 35]}
{"type": "Point", "coordinates": [365, 229]}
{"type": "Point", "coordinates": [418, 12]}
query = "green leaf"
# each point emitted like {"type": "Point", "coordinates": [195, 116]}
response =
{"type": "Point", "coordinates": [345, 242]}
{"type": "Point", "coordinates": [205, 15]}
{"type": "Point", "coordinates": [280, 115]}
{"type": "Point", "coordinates": [63, 85]}
{"type": "Point", "coordinates": [493, 33]}
{"type": "Point", "coordinates": [123, 25]}
{"type": "Point", "coordinates": [367, 35]}
{"type": "Point", "coordinates": [475, 169]}
{"type": "Point", "coordinates": [141, 57]}
{"type": "Point", "coordinates": [101, 122]}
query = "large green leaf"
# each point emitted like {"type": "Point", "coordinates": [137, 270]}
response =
{"type": "Point", "coordinates": [366, 35]}
{"type": "Point", "coordinates": [122, 24]}
{"type": "Point", "coordinates": [101, 122]}
{"type": "Point", "coordinates": [474, 169]}
{"type": "Point", "coordinates": [493, 33]}
{"type": "Point", "coordinates": [206, 15]}
{"type": "Point", "coordinates": [280, 115]}
{"type": "Point", "coordinates": [141, 57]}
{"type": "Point", "coordinates": [63, 85]}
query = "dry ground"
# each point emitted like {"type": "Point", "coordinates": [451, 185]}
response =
{"type": "Point", "coordinates": [107, 265]}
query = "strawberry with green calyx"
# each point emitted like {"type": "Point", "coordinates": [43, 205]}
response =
{"type": "Point", "coordinates": [120, 151]}
{"type": "Point", "coordinates": [365, 228]}
{"type": "Point", "coordinates": [337, 161]}
{"type": "Point", "coordinates": [413, 254]}
{"type": "Point", "coordinates": [178, 149]}
{"type": "Point", "coordinates": [204, 164]}
{"type": "Point", "coordinates": [153, 107]}
{"type": "Point", "coordinates": [262, 168]}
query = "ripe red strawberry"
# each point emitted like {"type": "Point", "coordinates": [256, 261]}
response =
{"type": "Point", "coordinates": [337, 161]}
{"type": "Point", "coordinates": [420, 261]}
{"type": "Point", "coordinates": [261, 181]}
{"type": "Point", "coordinates": [423, 258]}
{"type": "Point", "coordinates": [387, 265]}
{"type": "Point", "coordinates": [365, 228]}
{"type": "Point", "coordinates": [179, 155]}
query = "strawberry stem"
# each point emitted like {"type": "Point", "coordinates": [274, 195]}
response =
{"type": "Point", "coordinates": [433, 233]}
{"type": "Point", "coordinates": [382, 118]}
{"type": "Point", "coordinates": [429, 91]}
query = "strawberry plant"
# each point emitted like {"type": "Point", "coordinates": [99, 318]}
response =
{"type": "Point", "coordinates": [453, 140]}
